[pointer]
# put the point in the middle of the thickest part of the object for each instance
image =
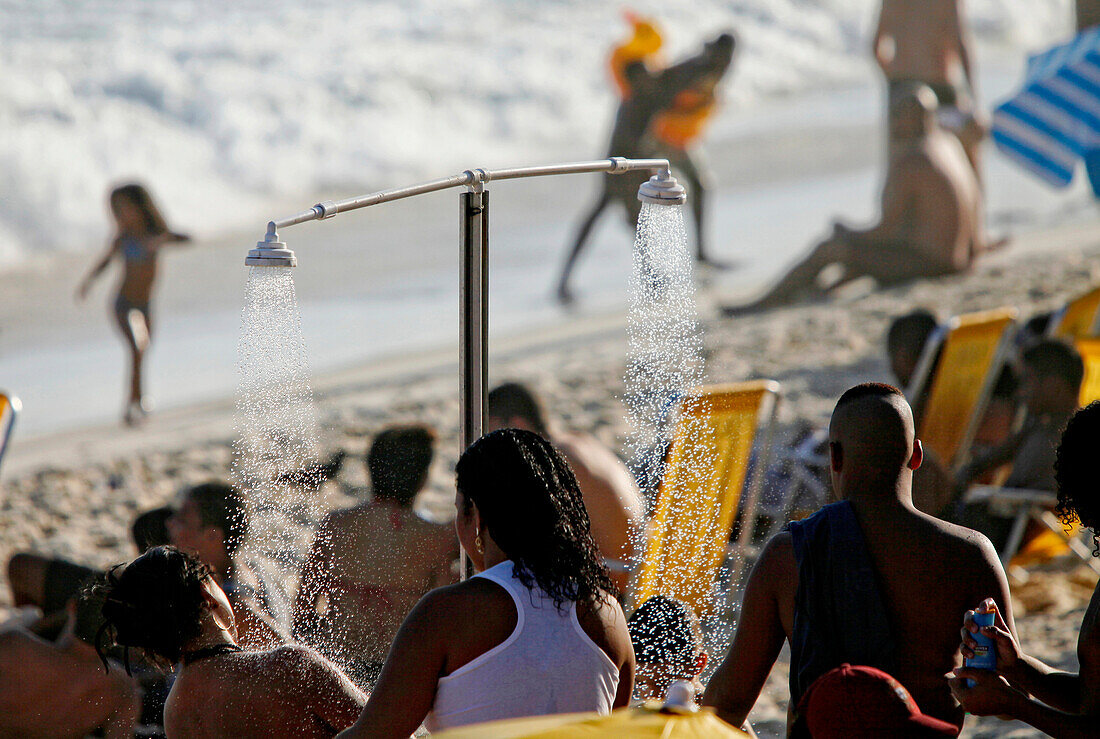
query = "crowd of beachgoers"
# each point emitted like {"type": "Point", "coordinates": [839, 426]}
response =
{"type": "Point", "coordinates": [884, 602]}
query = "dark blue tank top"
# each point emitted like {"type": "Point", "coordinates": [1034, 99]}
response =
{"type": "Point", "coordinates": [839, 614]}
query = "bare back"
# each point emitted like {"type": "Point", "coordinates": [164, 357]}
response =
{"type": "Point", "coordinates": [931, 572]}
{"type": "Point", "coordinates": [381, 559]}
{"type": "Point", "coordinates": [610, 494]}
{"type": "Point", "coordinates": [286, 692]}
{"type": "Point", "coordinates": [919, 40]}
{"type": "Point", "coordinates": [943, 216]}
{"type": "Point", "coordinates": [46, 691]}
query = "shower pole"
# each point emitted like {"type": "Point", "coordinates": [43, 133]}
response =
{"type": "Point", "coordinates": [474, 256]}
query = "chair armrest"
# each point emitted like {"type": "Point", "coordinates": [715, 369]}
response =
{"type": "Point", "coordinates": [1010, 497]}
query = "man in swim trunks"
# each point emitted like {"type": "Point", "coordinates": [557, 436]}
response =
{"type": "Point", "coordinates": [59, 689]}
{"type": "Point", "coordinates": [869, 580]}
{"type": "Point", "coordinates": [211, 522]}
{"type": "Point", "coordinates": [927, 41]}
{"type": "Point", "coordinates": [611, 496]}
{"type": "Point", "coordinates": [932, 216]}
{"type": "Point", "coordinates": [370, 564]}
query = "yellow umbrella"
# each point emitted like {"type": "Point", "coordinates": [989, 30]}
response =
{"type": "Point", "coordinates": [650, 720]}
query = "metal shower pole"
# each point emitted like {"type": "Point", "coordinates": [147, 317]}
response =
{"type": "Point", "coordinates": [474, 255]}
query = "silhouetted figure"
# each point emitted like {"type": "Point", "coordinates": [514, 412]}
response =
{"type": "Point", "coordinates": [652, 93]}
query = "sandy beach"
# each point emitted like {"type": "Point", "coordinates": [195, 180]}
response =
{"type": "Point", "coordinates": [74, 493]}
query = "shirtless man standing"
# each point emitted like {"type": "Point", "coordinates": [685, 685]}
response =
{"type": "Point", "coordinates": [611, 496]}
{"type": "Point", "coordinates": [932, 217]}
{"type": "Point", "coordinates": [370, 564]}
{"type": "Point", "coordinates": [59, 689]}
{"type": "Point", "coordinates": [927, 41]}
{"type": "Point", "coordinates": [869, 580]}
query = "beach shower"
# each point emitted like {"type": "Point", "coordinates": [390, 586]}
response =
{"type": "Point", "coordinates": [661, 189]}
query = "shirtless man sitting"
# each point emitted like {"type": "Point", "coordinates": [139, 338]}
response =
{"type": "Point", "coordinates": [59, 689]}
{"type": "Point", "coordinates": [370, 564]}
{"type": "Point", "coordinates": [211, 523]}
{"type": "Point", "coordinates": [869, 580]}
{"type": "Point", "coordinates": [927, 41]}
{"type": "Point", "coordinates": [167, 604]}
{"type": "Point", "coordinates": [611, 496]}
{"type": "Point", "coordinates": [932, 217]}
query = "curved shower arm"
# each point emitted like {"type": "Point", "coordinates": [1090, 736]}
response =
{"type": "Point", "coordinates": [474, 179]}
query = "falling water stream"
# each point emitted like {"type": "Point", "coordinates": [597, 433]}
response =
{"type": "Point", "coordinates": [276, 430]}
{"type": "Point", "coordinates": [665, 361]}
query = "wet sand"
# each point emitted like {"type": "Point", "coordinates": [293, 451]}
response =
{"type": "Point", "coordinates": [74, 493]}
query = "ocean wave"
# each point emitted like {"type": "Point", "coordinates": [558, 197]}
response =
{"type": "Point", "coordinates": [232, 111]}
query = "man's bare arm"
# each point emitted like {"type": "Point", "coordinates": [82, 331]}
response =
{"type": "Point", "coordinates": [737, 682]}
{"type": "Point", "coordinates": [313, 584]}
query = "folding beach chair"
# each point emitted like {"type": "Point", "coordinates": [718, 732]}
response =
{"type": "Point", "coordinates": [1079, 318]}
{"type": "Point", "coordinates": [1089, 349]}
{"type": "Point", "coordinates": [9, 411]}
{"type": "Point", "coordinates": [1027, 506]}
{"type": "Point", "coordinates": [703, 489]}
{"type": "Point", "coordinates": [972, 351]}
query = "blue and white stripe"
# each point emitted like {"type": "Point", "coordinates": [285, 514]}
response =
{"type": "Point", "coordinates": [1054, 121]}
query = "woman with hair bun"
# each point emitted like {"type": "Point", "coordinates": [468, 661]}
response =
{"type": "Point", "coordinates": [537, 631]}
{"type": "Point", "coordinates": [167, 604]}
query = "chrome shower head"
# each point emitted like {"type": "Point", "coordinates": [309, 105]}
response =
{"type": "Point", "coordinates": [662, 189]}
{"type": "Point", "coordinates": [271, 253]}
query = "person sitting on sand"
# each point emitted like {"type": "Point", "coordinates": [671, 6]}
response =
{"type": "Point", "coordinates": [1050, 388]}
{"type": "Point", "coordinates": [370, 564]}
{"type": "Point", "coordinates": [932, 216]}
{"type": "Point", "coordinates": [210, 523]}
{"type": "Point", "coordinates": [49, 583]}
{"type": "Point", "coordinates": [862, 580]}
{"type": "Point", "coordinates": [611, 497]}
{"type": "Point", "coordinates": [668, 646]}
{"type": "Point", "coordinates": [59, 688]}
{"type": "Point", "coordinates": [1058, 703]}
{"type": "Point", "coordinates": [168, 604]}
{"type": "Point", "coordinates": [142, 231]}
{"type": "Point", "coordinates": [538, 631]}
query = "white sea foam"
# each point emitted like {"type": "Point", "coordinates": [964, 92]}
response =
{"type": "Point", "coordinates": [230, 111]}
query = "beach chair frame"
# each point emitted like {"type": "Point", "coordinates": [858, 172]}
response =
{"type": "Point", "coordinates": [749, 496]}
{"type": "Point", "coordinates": [10, 408]}
{"type": "Point", "coordinates": [1064, 320]}
{"type": "Point", "coordinates": [926, 370]}
{"type": "Point", "coordinates": [1025, 506]}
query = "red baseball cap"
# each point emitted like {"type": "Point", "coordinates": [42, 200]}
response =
{"type": "Point", "coordinates": [865, 702]}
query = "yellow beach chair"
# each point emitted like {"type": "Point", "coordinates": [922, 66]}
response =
{"type": "Point", "coordinates": [1089, 349]}
{"type": "Point", "coordinates": [703, 487]}
{"type": "Point", "coordinates": [972, 350]}
{"type": "Point", "coordinates": [1079, 319]}
{"type": "Point", "coordinates": [9, 411]}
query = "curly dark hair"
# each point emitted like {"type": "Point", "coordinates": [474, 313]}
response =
{"type": "Point", "coordinates": [530, 503]}
{"type": "Point", "coordinates": [155, 603]}
{"type": "Point", "coordinates": [1073, 471]}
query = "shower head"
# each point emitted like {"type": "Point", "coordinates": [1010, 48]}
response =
{"type": "Point", "coordinates": [271, 253]}
{"type": "Point", "coordinates": [662, 189]}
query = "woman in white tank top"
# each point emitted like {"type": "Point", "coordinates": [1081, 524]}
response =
{"type": "Point", "coordinates": [537, 632]}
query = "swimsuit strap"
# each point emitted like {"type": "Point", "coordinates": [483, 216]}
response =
{"type": "Point", "coordinates": [195, 656]}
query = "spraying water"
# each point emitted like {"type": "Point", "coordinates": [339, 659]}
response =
{"type": "Point", "coordinates": [665, 362]}
{"type": "Point", "coordinates": [276, 425]}
{"type": "Point", "coordinates": [664, 339]}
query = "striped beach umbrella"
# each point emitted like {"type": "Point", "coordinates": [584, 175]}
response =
{"type": "Point", "coordinates": [1054, 120]}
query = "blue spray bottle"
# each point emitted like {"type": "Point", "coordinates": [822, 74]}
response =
{"type": "Point", "coordinates": [985, 653]}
